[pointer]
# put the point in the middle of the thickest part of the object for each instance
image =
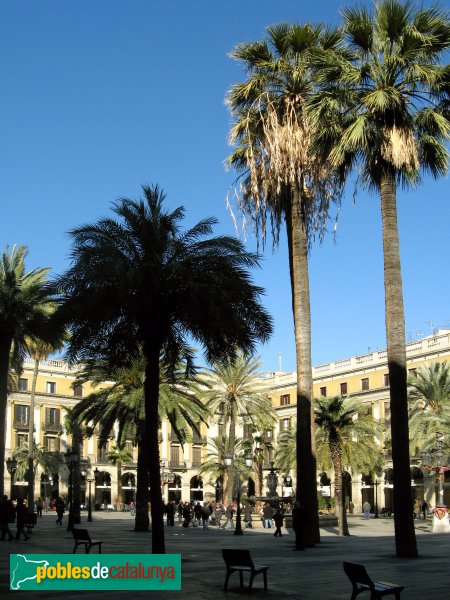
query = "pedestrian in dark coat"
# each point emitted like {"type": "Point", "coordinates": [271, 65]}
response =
{"type": "Point", "coordinates": [6, 517]}
{"type": "Point", "coordinates": [170, 511]}
{"type": "Point", "coordinates": [298, 524]}
{"type": "Point", "coordinates": [60, 507]}
{"type": "Point", "coordinates": [187, 514]}
{"type": "Point", "coordinates": [278, 519]}
{"type": "Point", "coordinates": [21, 517]}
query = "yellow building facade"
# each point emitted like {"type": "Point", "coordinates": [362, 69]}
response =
{"type": "Point", "coordinates": [364, 376]}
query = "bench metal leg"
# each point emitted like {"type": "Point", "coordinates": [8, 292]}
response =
{"type": "Point", "coordinates": [241, 578]}
{"type": "Point", "coordinates": [265, 580]}
{"type": "Point", "coordinates": [250, 584]}
{"type": "Point", "coordinates": [225, 585]}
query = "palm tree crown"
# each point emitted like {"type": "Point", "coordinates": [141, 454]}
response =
{"type": "Point", "coordinates": [24, 302]}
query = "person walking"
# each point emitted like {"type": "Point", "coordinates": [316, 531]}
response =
{"type": "Point", "coordinates": [424, 509]}
{"type": "Point", "coordinates": [170, 512]}
{"type": "Point", "coordinates": [298, 524]}
{"type": "Point", "coordinates": [229, 512]}
{"type": "Point", "coordinates": [6, 517]}
{"type": "Point", "coordinates": [219, 512]}
{"type": "Point", "coordinates": [39, 506]}
{"type": "Point", "coordinates": [366, 508]}
{"type": "Point", "coordinates": [187, 514]}
{"type": "Point", "coordinates": [21, 517]}
{"type": "Point", "coordinates": [248, 516]}
{"type": "Point", "coordinates": [267, 515]}
{"type": "Point", "coordinates": [416, 509]}
{"type": "Point", "coordinates": [197, 514]}
{"type": "Point", "coordinates": [60, 508]}
{"type": "Point", "coordinates": [205, 513]}
{"type": "Point", "coordinates": [278, 518]}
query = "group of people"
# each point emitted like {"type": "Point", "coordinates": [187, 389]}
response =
{"type": "Point", "coordinates": [10, 513]}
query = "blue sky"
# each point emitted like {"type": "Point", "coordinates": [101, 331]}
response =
{"type": "Point", "coordinates": [100, 97]}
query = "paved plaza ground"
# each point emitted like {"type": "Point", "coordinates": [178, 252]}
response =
{"type": "Point", "coordinates": [311, 575]}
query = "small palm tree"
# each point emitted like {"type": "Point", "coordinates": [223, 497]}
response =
{"type": "Point", "coordinates": [119, 456]}
{"type": "Point", "coordinates": [344, 439]}
{"type": "Point", "coordinates": [48, 462]}
{"type": "Point", "coordinates": [383, 107]}
{"type": "Point", "coordinates": [235, 394]}
{"type": "Point", "coordinates": [122, 404]}
{"type": "Point", "coordinates": [429, 396]}
{"type": "Point", "coordinates": [24, 302]}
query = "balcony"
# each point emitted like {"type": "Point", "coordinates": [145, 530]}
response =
{"type": "Point", "coordinates": [199, 440]}
{"type": "Point", "coordinates": [53, 427]}
{"type": "Point", "coordinates": [102, 459]}
{"type": "Point", "coordinates": [176, 465]}
{"type": "Point", "coordinates": [20, 424]}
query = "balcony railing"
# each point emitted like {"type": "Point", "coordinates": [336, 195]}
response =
{"type": "Point", "coordinates": [176, 464]}
{"type": "Point", "coordinates": [20, 424]}
{"type": "Point", "coordinates": [56, 427]}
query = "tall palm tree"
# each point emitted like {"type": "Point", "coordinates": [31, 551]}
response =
{"type": "Point", "coordinates": [122, 403]}
{"type": "Point", "coordinates": [24, 300]}
{"type": "Point", "coordinates": [38, 351]}
{"type": "Point", "coordinates": [236, 394]}
{"type": "Point", "coordinates": [282, 179]}
{"type": "Point", "coordinates": [345, 440]}
{"type": "Point", "coordinates": [139, 279]}
{"type": "Point", "coordinates": [74, 429]}
{"type": "Point", "coordinates": [382, 106]}
{"type": "Point", "coordinates": [429, 396]}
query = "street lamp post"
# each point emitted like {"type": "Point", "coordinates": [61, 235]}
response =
{"type": "Point", "coordinates": [90, 480]}
{"type": "Point", "coordinates": [71, 458]}
{"type": "Point", "coordinates": [376, 483]}
{"type": "Point", "coordinates": [229, 461]}
{"type": "Point", "coordinates": [11, 465]}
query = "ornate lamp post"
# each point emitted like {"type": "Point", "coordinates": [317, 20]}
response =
{"type": "Point", "coordinates": [376, 483]}
{"type": "Point", "coordinates": [90, 480]}
{"type": "Point", "coordinates": [11, 465]}
{"type": "Point", "coordinates": [166, 478]}
{"type": "Point", "coordinates": [229, 461]}
{"type": "Point", "coordinates": [70, 458]}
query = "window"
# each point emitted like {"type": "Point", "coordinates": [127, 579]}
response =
{"type": "Point", "coordinates": [196, 456]}
{"type": "Point", "coordinates": [129, 446]}
{"type": "Point", "coordinates": [344, 388]}
{"type": "Point", "coordinates": [52, 416]}
{"type": "Point", "coordinates": [50, 387]}
{"type": "Point", "coordinates": [175, 455]}
{"type": "Point", "coordinates": [51, 443]}
{"type": "Point", "coordinates": [21, 439]}
{"type": "Point", "coordinates": [365, 411]}
{"type": "Point", "coordinates": [77, 391]}
{"type": "Point", "coordinates": [412, 372]}
{"type": "Point", "coordinates": [323, 391]}
{"type": "Point", "coordinates": [285, 400]}
{"type": "Point", "coordinates": [365, 384]}
{"type": "Point", "coordinates": [386, 380]}
{"type": "Point", "coordinates": [23, 384]}
{"type": "Point", "coordinates": [285, 424]}
{"type": "Point", "coordinates": [21, 414]}
{"type": "Point", "coordinates": [387, 412]}
{"type": "Point", "coordinates": [221, 408]}
{"type": "Point", "coordinates": [221, 428]}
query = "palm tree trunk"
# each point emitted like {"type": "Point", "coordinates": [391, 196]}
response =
{"type": "Point", "coordinates": [229, 475]}
{"type": "Point", "coordinates": [405, 537]}
{"type": "Point", "coordinates": [31, 437]}
{"type": "Point", "coordinates": [119, 484]}
{"type": "Point", "coordinates": [151, 392]}
{"type": "Point", "coordinates": [141, 522]}
{"type": "Point", "coordinates": [5, 347]}
{"type": "Point", "coordinates": [306, 492]}
{"type": "Point", "coordinates": [335, 452]}
{"type": "Point", "coordinates": [77, 443]}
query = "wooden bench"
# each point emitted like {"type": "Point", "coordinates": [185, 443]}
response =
{"type": "Point", "coordinates": [240, 561]}
{"type": "Point", "coordinates": [361, 582]}
{"type": "Point", "coordinates": [82, 536]}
